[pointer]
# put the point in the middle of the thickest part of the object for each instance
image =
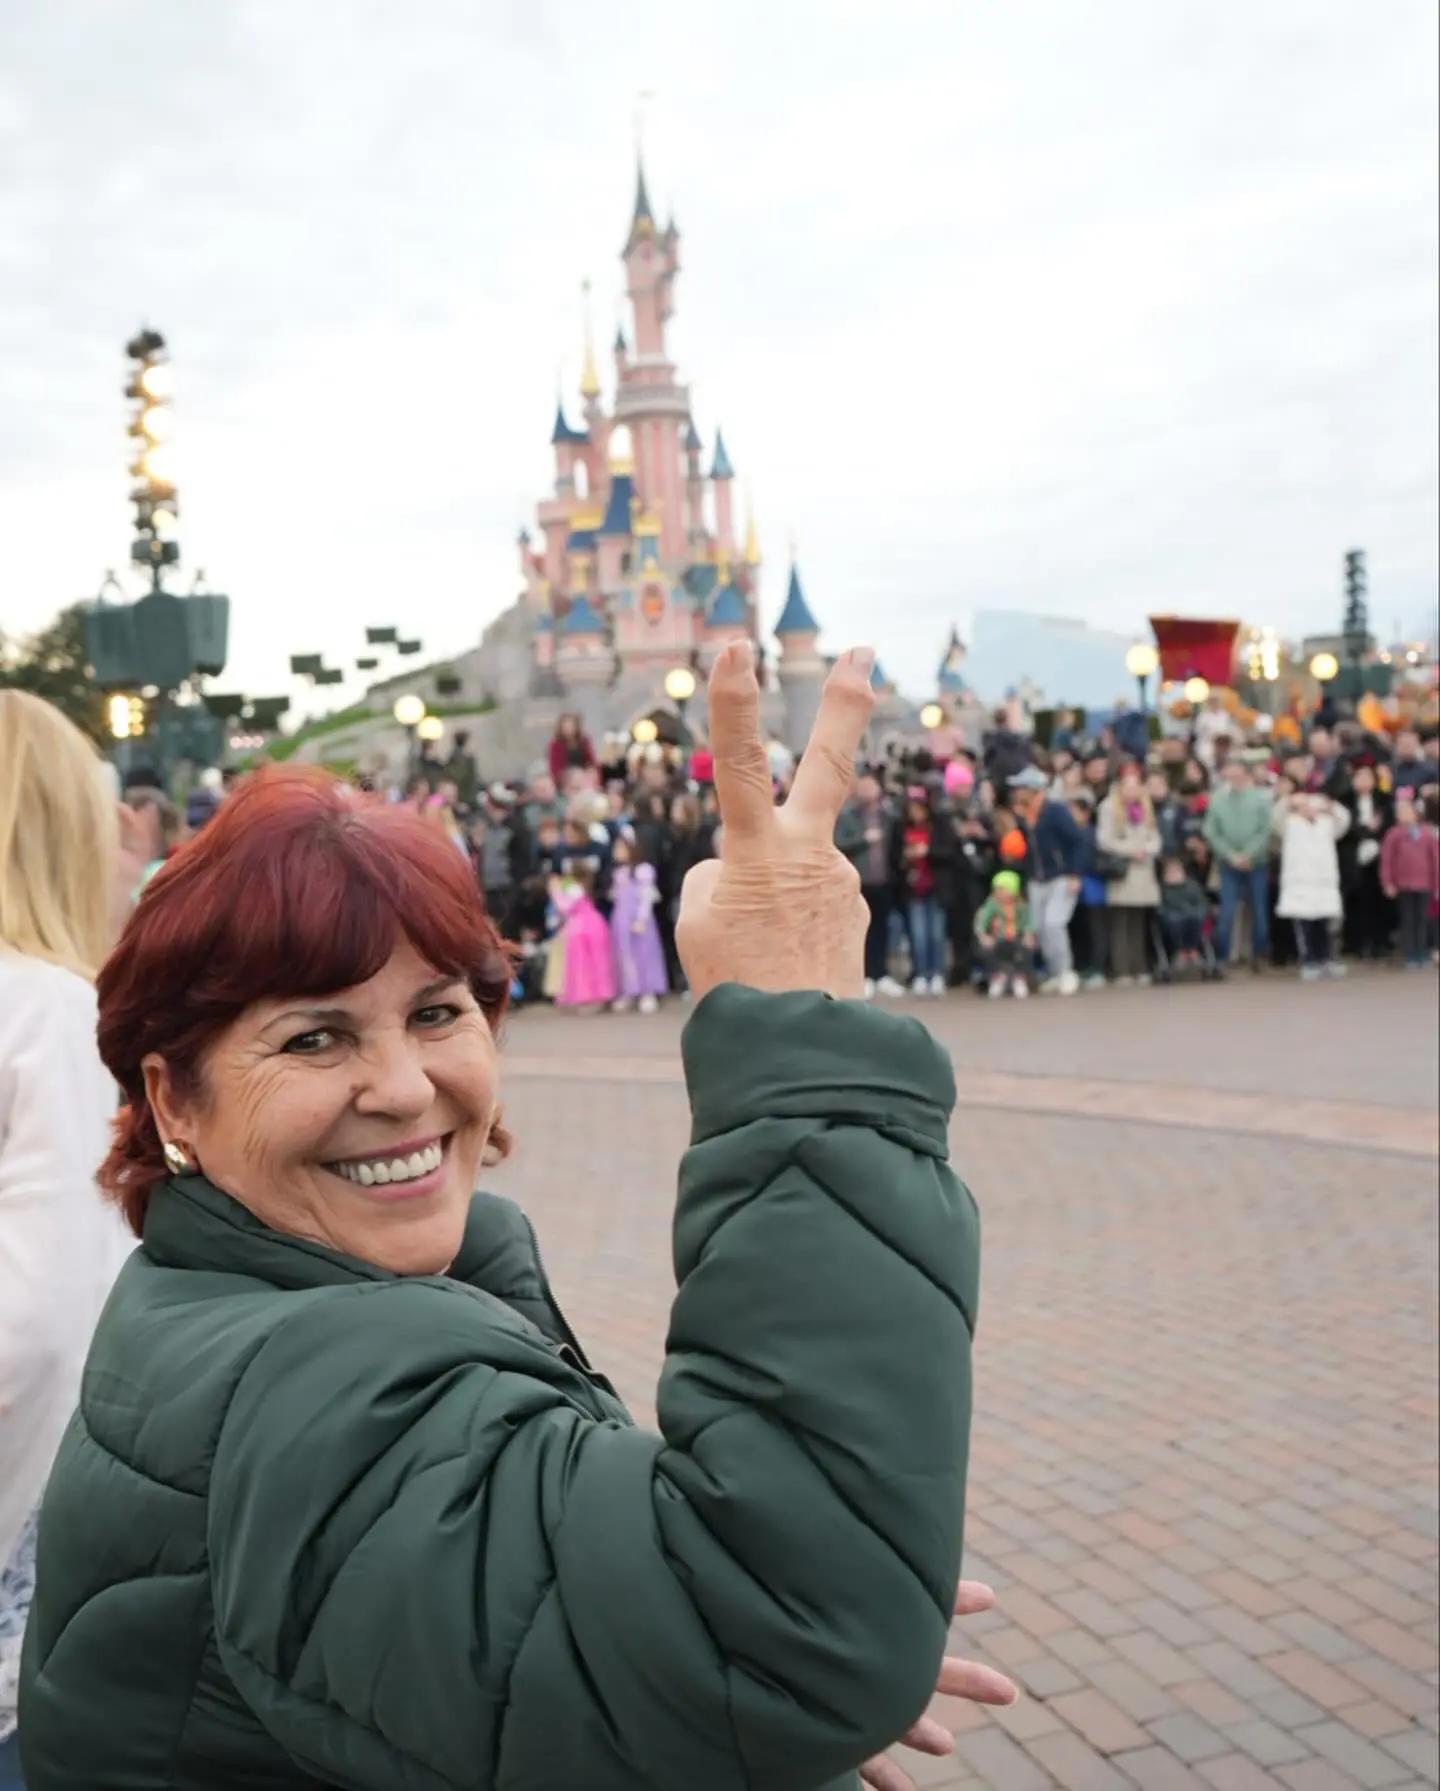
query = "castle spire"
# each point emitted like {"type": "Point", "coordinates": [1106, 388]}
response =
{"type": "Point", "coordinates": [720, 467]}
{"type": "Point", "coordinates": [642, 222]}
{"type": "Point", "coordinates": [795, 618]}
{"type": "Point", "coordinates": [589, 377]}
{"type": "Point", "coordinates": [752, 534]}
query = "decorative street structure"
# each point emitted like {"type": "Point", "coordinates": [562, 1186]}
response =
{"type": "Point", "coordinates": [150, 655]}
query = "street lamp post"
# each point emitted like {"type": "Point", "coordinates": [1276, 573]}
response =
{"type": "Point", "coordinates": [409, 711]}
{"type": "Point", "coordinates": [1141, 661]}
{"type": "Point", "coordinates": [680, 687]}
{"type": "Point", "coordinates": [1196, 690]}
{"type": "Point", "coordinates": [932, 716]}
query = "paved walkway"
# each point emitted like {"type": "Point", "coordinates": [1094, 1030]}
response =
{"type": "Point", "coordinates": [1205, 1456]}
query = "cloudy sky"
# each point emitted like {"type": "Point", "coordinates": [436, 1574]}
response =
{"type": "Point", "coordinates": [1095, 310]}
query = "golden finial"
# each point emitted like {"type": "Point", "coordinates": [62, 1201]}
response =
{"type": "Point", "coordinates": [722, 567]}
{"type": "Point", "coordinates": [752, 534]}
{"type": "Point", "coordinates": [589, 378]}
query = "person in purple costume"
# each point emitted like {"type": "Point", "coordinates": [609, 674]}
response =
{"type": "Point", "coordinates": [634, 934]}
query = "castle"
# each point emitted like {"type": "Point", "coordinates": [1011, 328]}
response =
{"type": "Point", "coordinates": [638, 567]}
{"type": "Point", "coordinates": [635, 567]}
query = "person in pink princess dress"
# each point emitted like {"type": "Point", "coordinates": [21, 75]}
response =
{"type": "Point", "coordinates": [589, 978]}
{"type": "Point", "coordinates": [634, 932]}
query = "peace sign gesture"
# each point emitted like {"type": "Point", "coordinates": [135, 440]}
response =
{"type": "Point", "coordinates": [780, 908]}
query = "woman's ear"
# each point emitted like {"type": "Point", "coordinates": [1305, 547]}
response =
{"type": "Point", "coordinates": [163, 1095]}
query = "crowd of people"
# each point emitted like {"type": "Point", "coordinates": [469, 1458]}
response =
{"type": "Point", "coordinates": [1099, 859]}
{"type": "Point", "coordinates": [1104, 859]}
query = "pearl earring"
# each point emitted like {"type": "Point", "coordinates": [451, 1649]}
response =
{"type": "Point", "coordinates": [177, 1159]}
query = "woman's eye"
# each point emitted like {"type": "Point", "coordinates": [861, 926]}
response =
{"type": "Point", "coordinates": [309, 1044]}
{"type": "Point", "coordinates": [439, 1015]}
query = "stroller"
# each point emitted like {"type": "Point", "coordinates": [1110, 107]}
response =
{"type": "Point", "coordinates": [1167, 970]}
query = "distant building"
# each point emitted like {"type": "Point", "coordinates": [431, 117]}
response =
{"type": "Point", "coordinates": [1064, 660]}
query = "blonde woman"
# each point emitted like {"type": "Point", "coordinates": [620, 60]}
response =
{"type": "Point", "coordinates": [64, 881]}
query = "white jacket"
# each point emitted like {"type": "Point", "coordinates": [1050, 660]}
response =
{"type": "Point", "coordinates": [1309, 863]}
{"type": "Point", "coordinates": [60, 1245]}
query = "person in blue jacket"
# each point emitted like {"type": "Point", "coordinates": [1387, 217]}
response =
{"type": "Point", "coordinates": [1056, 850]}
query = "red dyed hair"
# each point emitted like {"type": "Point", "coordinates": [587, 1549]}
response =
{"type": "Point", "coordinates": [297, 887]}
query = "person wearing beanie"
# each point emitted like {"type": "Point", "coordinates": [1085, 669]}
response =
{"type": "Point", "coordinates": [1005, 937]}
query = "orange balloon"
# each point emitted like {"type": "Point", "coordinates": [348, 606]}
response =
{"type": "Point", "coordinates": [1012, 846]}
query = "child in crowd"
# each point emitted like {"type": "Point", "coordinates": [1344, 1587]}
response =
{"type": "Point", "coordinates": [1183, 907]}
{"type": "Point", "coordinates": [587, 976]}
{"type": "Point", "coordinates": [1006, 938]}
{"type": "Point", "coordinates": [1410, 874]}
{"type": "Point", "coordinates": [1308, 826]}
{"type": "Point", "coordinates": [634, 933]}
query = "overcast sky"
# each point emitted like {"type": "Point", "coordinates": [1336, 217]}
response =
{"type": "Point", "coordinates": [1092, 309]}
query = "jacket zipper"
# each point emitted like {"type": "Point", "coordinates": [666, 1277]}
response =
{"type": "Point", "coordinates": [572, 1342]}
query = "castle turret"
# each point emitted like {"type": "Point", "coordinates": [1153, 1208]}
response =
{"type": "Point", "coordinates": [722, 476]}
{"type": "Point", "coordinates": [694, 491]}
{"type": "Point", "coordinates": [648, 398]}
{"type": "Point", "coordinates": [950, 680]}
{"type": "Point", "coordinates": [727, 619]}
{"type": "Point", "coordinates": [801, 669]}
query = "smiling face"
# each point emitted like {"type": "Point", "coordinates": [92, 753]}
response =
{"type": "Point", "coordinates": [357, 1121]}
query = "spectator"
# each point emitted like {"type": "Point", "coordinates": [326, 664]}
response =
{"type": "Point", "coordinates": [1056, 849]}
{"type": "Point", "coordinates": [1238, 832]}
{"type": "Point", "coordinates": [570, 749]}
{"type": "Point", "coordinates": [927, 846]}
{"type": "Point", "coordinates": [1410, 872]}
{"type": "Point", "coordinates": [1006, 752]}
{"type": "Point", "coordinates": [1005, 936]}
{"type": "Point", "coordinates": [1183, 909]}
{"type": "Point", "coordinates": [1172, 816]}
{"type": "Point", "coordinates": [462, 771]}
{"type": "Point", "coordinates": [868, 834]}
{"type": "Point", "coordinates": [1126, 834]}
{"type": "Point", "coordinates": [1410, 770]}
{"type": "Point", "coordinates": [1089, 929]}
{"type": "Point", "coordinates": [1369, 912]}
{"type": "Point", "coordinates": [1308, 826]}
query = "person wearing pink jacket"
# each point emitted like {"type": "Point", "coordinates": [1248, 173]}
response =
{"type": "Point", "coordinates": [1410, 875]}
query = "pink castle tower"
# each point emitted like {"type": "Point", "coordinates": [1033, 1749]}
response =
{"type": "Point", "coordinates": [624, 532]}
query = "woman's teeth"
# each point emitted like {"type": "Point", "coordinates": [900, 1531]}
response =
{"type": "Point", "coordinates": [380, 1172]}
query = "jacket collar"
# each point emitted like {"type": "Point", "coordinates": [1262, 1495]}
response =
{"type": "Point", "coordinates": [192, 1224]}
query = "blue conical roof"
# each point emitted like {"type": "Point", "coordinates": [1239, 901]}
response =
{"type": "Point", "coordinates": [721, 467]}
{"type": "Point", "coordinates": [562, 432]}
{"type": "Point", "coordinates": [580, 618]}
{"type": "Point", "coordinates": [878, 680]}
{"type": "Point", "coordinates": [728, 610]}
{"type": "Point", "coordinates": [795, 618]}
{"type": "Point", "coordinates": [616, 520]}
{"type": "Point", "coordinates": [693, 443]}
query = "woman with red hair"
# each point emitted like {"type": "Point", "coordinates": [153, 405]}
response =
{"type": "Point", "coordinates": [345, 1503]}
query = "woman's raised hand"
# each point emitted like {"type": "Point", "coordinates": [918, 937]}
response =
{"type": "Point", "coordinates": [780, 908]}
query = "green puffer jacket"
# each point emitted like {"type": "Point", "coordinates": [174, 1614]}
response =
{"type": "Point", "coordinates": [318, 1525]}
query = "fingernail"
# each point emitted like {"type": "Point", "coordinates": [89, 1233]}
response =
{"type": "Point", "coordinates": [862, 658]}
{"type": "Point", "coordinates": [742, 656]}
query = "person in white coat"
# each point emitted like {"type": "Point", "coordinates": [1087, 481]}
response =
{"type": "Point", "coordinates": [64, 881]}
{"type": "Point", "coordinates": [1308, 827]}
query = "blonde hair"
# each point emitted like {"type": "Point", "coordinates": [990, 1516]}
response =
{"type": "Point", "coordinates": [58, 838]}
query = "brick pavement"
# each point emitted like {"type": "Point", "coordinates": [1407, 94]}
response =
{"type": "Point", "coordinates": [1205, 1455]}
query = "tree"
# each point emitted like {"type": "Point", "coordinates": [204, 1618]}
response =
{"type": "Point", "coordinates": [51, 664]}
